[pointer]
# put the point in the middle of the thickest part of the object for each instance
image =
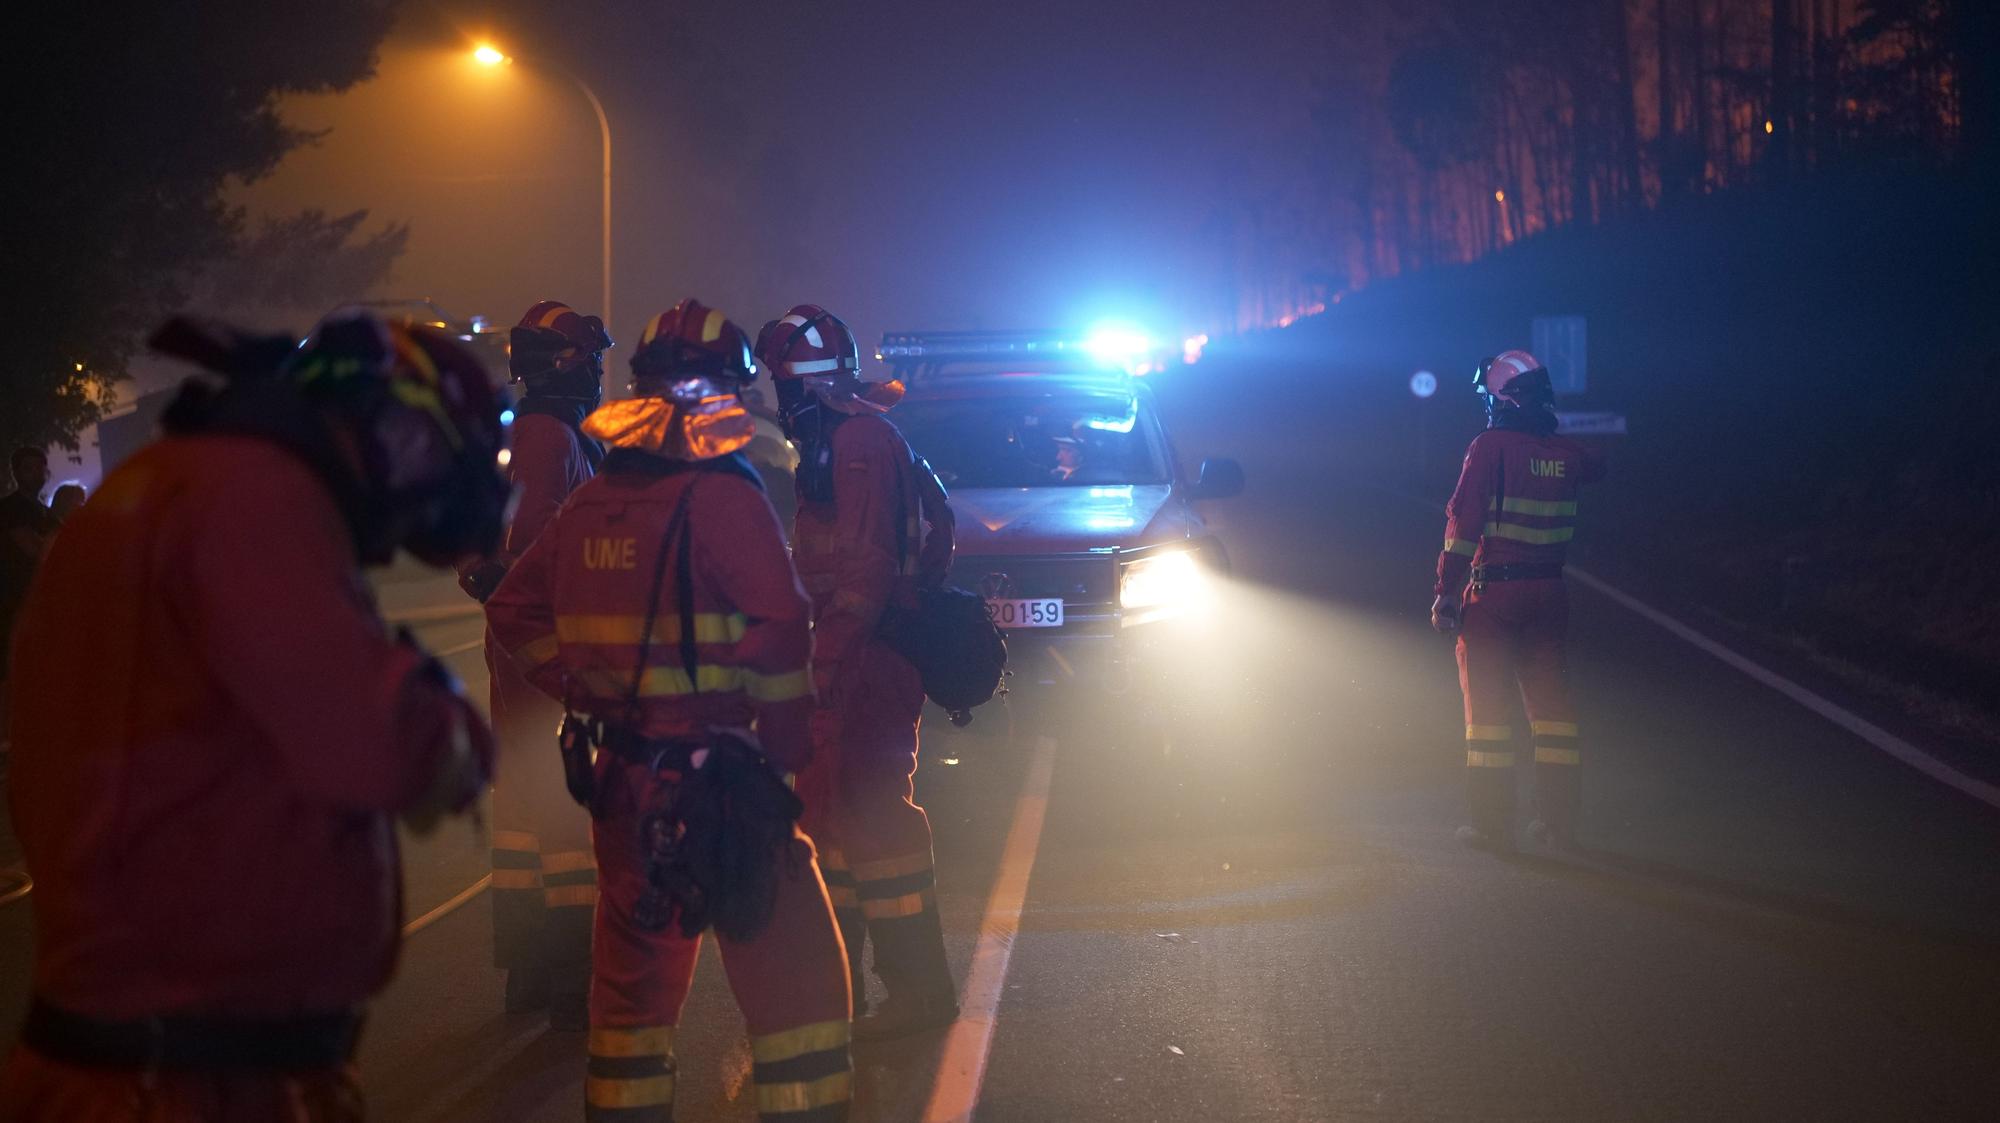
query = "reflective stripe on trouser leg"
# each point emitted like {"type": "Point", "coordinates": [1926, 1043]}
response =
{"type": "Point", "coordinates": [847, 916]}
{"type": "Point", "coordinates": [803, 1074]}
{"type": "Point", "coordinates": [569, 900]}
{"type": "Point", "coordinates": [1487, 646]}
{"type": "Point", "coordinates": [517, 900]}
{"type": "Point", "coordinates": [630, 1078]}
{"type": "Point", "coordinates": [1558, 772]}
{"type": "Point", "coordinates": [899, 899]}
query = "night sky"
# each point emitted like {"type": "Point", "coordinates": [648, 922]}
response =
{"type": "Point", "coordinates": [906, 163]}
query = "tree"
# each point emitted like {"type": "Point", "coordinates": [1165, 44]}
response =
{"type": "Point", "coordinates": [128, 122]}
{"type": "Point", "coordinates": [301, 264]}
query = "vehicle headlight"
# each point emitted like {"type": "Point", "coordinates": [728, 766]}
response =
{"type": "Point", "coordinates": [1169, 584]}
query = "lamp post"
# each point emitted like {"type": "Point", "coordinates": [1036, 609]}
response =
{"type": "Point", "coordinates": [486, 54]}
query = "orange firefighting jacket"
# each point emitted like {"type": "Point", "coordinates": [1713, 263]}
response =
{"type": "Point", "coordinates": [1515, 503]}
{"type": "Point", "coordinates": [572, 609]}
{"type": "Point", "coordinates": [211, 728]}
{"type": "Point", "coordinates": [866, 549]}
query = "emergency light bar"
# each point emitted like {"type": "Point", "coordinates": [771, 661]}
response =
{"type": "Point", "coordinates": [905, 347]}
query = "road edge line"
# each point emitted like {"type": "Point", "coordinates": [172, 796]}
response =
{"type": "Point", "coordinates": [1832, 711]}
{"type": "Point", "coordinates": [961, 1068]}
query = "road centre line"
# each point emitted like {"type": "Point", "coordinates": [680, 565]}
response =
{"type": "Point", "coordinates": [962, 1067]}
{"type": "Point", "coordinates": [1832, 711]}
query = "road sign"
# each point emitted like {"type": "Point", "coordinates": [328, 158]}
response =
{"type": "Point", "coordinates": [1562, 343]}
{"type": "Point", "coordinates": [1590, 424]}
{"type": "Point", "coordinates": [1423, 384]}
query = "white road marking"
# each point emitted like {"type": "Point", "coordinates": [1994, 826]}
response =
{"type": "Point", "coordinates": [460, 649]}
{"type": "Point", "coordinates": [446, 909]}
{"type": "Point", "coordinates": [962, 1068]}
{"type": "Point", "coordinates": [1861, 727]}
{"type": "Point", "coordinates": [435, 613]}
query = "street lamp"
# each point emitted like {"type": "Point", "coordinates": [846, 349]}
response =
{"type": "Point", "coordinates": [488, 55]}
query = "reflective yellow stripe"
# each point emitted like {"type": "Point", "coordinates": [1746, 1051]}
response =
{"type": "Point", "coordinates": [647, 1091]}
{"type": "Point", "coordinates": [804, 1095]}
{"type": "Point", "coordinates": [1554, 728]}
{"type": "Point", "coordinates": [1545, 755]}
{"type": "Point", "coordinates": [1460, 547]}
{"type": "Point", "coordinates": [1544, 507]}
{"type": "Point", "coordinates": [814, 1038]}
{"type": "Point", "coordinates": [536, 652]}
{"type": "Point", "coordinates": [661, 682]}
{"type": "Point", "coordinates": [633, 1041]}
{"type": "Point", "coordinates": [1532, 535]}
{"type": "Point", "coordinates": [517, 879]}
{"type": "Point", "coordinates": [516, 840]}
{"type": "Point", "coordinates": [886, 868]}
{"type": "Point", "coordinates": [568, 861]}
{"type": "Point", "coordinates": [893, 908]}
{"type": "Point", "coordinates": [815, 541]}
{"type": "Point", "coordinates": [711, 326]}
{"type": "Point", "coordinates": [709, 627]}
{"type": "Point", "coordinates": [1489, 733]}
{"type": "Point", "coordinates": [1476, 759]}
{"type": "Point", "coordinates": [777, 688]}
{"type": "Point", "coordinates": [569, 896]}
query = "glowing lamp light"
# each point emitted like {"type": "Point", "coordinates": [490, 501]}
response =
{"type": "Point", "coordinates": [1499, 196]}
{"type": "Point", "coordinates": [1164, 585]}
{"type": "Point", "coordinates": [505, 457]}
{"type": "Point", "coordinates": [1770, 127]}
{"type": "Point", "coordinates": [486, 54]}
{"type": "Point", "coordinates": [1120, 344]}
{"type": "Point", "coordinates": [1191, 348]}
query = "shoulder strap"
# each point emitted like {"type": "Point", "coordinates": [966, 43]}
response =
{"type": "Point", "coordinates": [677, 524]}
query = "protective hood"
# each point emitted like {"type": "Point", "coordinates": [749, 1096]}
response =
{"type": "Point", "coordinates": [701, 429]}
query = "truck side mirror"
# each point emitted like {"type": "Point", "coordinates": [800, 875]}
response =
{"type": "Point", "coordinates": [1221, 478]}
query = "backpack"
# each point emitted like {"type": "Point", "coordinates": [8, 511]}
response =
{"type": "Point", "coordinates": [948, 637]}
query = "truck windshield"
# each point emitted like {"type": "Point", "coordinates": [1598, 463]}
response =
{"type": "Point", "coordinates": [1065, 441]}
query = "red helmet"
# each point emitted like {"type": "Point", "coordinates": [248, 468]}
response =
{"type": "Point", "coordinates": [553, 337]}
{"type": "Point", "coordinates": [812, 345]}
{"type": "Point", "coordinates": [1498, 375]}
{"type": "Point", "coordinates": [692, 340]}
{"type": "Point", "coordinates": [687, 372]}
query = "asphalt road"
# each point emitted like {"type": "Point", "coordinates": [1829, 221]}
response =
{"type": "Point", "coordinates": [1246, 902]}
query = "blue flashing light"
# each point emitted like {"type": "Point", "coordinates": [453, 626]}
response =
{"type": "Point", "coordinates": [506, 417]}
{"type": "Point", "coordinates": [1118, 344]}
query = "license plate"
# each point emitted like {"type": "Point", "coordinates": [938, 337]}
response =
{"type": "Point", "coordinates": [1025, 613]}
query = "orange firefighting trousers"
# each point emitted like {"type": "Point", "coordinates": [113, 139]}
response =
{"type": "Point", "coordinates": [875, 841]}
{"type": "Point", "coordinates": [544, 878]}
{"type": "Point", "coordinates": [38, 1089]}
{"type": "Point", "coordinates": [790, 981]}
{"type": "Point", "coordinates": [1513, 639]}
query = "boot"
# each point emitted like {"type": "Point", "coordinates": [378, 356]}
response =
{"type": "Point", "coordinates": [909, 956]}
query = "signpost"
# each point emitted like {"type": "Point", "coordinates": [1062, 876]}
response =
{"type": "Point", "coordinates": [1562, 343]}
{"type": "Point", "coordinates": [1423, 384]}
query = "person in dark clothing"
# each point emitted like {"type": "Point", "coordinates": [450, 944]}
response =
{"type": "Point", "coordinates": [25, 528]}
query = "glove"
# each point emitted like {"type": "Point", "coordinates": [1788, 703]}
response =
{"type": "Point", "coordinates": [480, 581]}
{"type": "Point", "coordinates": [1447, 615]}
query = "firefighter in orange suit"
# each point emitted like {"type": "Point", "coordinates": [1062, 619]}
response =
{"type": "Point", "coordinates": [862, 550]}
{"type": "Point", "coordinates": [1500, 590]}
{"type": "Point", "coordinates": [662, 607]}
{"type": "Point", "coordinates": [217, 730]}
{"type": "Point", "coordinates": [544, 882]}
